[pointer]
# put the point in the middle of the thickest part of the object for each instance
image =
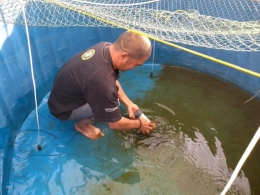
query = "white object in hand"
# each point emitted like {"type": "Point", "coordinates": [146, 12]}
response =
{"type": "Point", "coordinates": [139, 114]}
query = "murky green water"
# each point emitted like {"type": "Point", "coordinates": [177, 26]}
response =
{"type": "Point", "coordinates": [203, 128]}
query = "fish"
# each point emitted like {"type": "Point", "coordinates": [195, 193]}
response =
{"type": "Point", "coordinates": [146, 110]}
{"type": "Point", "coordinates": [165, 107]}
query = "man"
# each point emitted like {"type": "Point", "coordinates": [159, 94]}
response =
{"type": "Point", "coordinates": [86, 87]}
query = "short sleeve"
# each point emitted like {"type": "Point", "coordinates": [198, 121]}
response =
{"type": "Point", "coordinates": [103, 99]}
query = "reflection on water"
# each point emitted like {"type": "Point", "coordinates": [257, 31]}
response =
{"type": "Point", "coordinates": [202, 131]}
{"type": "Point", "coordinates": [196, 149]}
{"type": "Point", "coordinates": [170, 162]}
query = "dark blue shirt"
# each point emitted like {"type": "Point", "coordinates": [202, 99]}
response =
{"type": "Point", "coordinates": [89, 77]}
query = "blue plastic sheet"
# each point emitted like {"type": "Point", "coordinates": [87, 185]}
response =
{"type": "Point", "coordinates": [22, 167]}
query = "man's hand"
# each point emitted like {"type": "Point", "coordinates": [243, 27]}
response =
{"type": "Point", "coordinates": [131, 109]}
{"type": "Point", "coordinates": [147, 127]}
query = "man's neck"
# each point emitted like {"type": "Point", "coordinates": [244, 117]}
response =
{"type": "Point", "coordinates": [113, 55]}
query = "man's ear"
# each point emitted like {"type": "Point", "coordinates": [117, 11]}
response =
{"type": "Point", "coordinates": [124, 55]}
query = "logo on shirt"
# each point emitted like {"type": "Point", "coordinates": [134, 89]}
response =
{"type": "Point", "coordinates": [111, 109]}
{"type": "Point", "coordinates": [88, 54]}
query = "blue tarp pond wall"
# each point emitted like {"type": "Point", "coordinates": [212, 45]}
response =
{"type": "Point", "coordinates": [51, 47]}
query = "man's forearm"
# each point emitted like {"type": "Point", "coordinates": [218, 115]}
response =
{"type": "Point", "coordinates": [122, 96]}
{"type": "Point", "coordinates": [124, 124]}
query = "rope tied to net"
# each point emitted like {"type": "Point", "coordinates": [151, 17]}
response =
{"type": "Point", "coordinates": [32, 74]}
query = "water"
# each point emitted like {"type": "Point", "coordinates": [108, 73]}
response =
{"type": "Point", "coordinates": [203, 128]}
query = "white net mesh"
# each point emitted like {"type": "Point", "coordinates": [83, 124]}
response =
{"type": "Point", "coordinates": [220, 24]}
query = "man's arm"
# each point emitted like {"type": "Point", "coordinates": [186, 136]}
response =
{"type": "Point", "coordinates": [131, 107]}
{"type": "Point", "coordinates": [128, 124]}
{"type": "Point", "coordinates": [122, 96]}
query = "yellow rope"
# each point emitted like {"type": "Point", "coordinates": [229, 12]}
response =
{"type": "Point", "coordinates": [200, 54]}
{"type": "Point", "coordinates": [162, 41]}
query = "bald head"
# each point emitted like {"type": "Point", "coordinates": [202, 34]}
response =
{"type": "Point", "coordinates": [137, 46]}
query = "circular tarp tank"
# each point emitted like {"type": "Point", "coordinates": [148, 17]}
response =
{"type": "Point", "coordinates": [51, 48]}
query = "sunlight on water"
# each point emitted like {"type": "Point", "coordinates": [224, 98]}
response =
{"type": "Point", "coordinates": [197, 116]}
{"type": "Point", "coordinates": [202, 131]}
{"type": "Point", "coordinates": [169, 161]}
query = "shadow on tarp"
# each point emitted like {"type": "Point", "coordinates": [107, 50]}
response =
{"type": "Point", "coordinates": [68, 156]}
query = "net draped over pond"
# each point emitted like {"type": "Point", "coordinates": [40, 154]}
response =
{"type": "Point", "coordinates": [220, 24]}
